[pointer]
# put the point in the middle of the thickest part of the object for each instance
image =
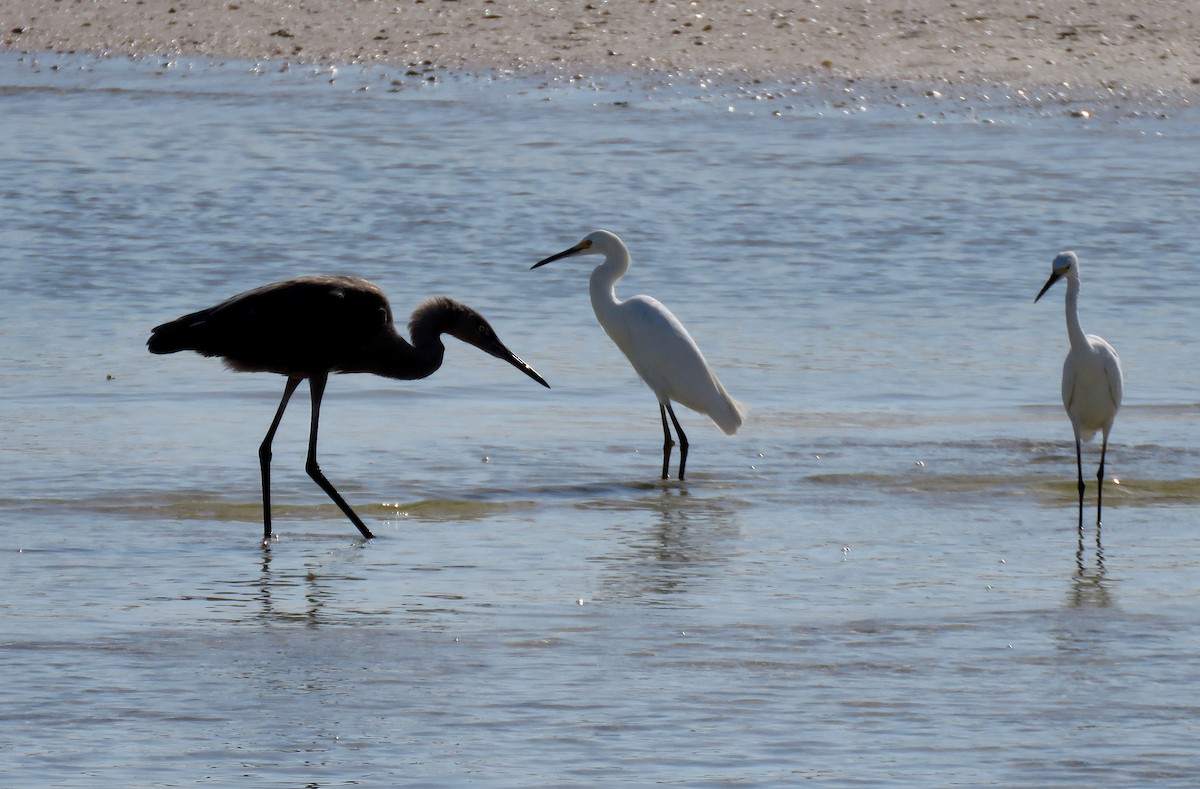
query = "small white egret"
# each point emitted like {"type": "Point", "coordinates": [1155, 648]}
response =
{"type": "Point", "coordinates": [656, 344]}
{"type": "Point", "coordinates": [1091, 379]}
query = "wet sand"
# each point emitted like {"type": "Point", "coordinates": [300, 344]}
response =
{"type": "Point", "coordinates": [1114, 48]}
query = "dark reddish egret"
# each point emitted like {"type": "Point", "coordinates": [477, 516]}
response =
{"type": "Point", "coordinates": [656, 344]}
{"type": "Point", "coordinates": [1091, 379]}
{"type": "Point", "coordinates": [310, 327]}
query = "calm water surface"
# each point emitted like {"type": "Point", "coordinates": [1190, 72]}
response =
{"type": "Point", "coordinates": [878, 581]}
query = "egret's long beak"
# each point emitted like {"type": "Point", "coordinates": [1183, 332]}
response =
{"type": "Point", "coordinates": [1055, 277]}
{"type": "Point", "coordinates": [515, 361]}
{"type": "Point", "coordinates": [582, 245]}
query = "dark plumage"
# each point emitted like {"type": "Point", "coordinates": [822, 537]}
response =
{"type": "Point", "coordinates": [309, 327]}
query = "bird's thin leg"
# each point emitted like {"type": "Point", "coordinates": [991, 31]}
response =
{"type": "Point", "coordinates": [1079, 555]}
{"type": "Point", "coordinates": [1100, 482]}
{"type": "Point", "coordinates": [316, 385]}
{"type": "Point", "coordinates": [264, 455]}
{"type": "Point", "coordinates": [683, 443]}
{"type": "Point", "coordinates": [668, 442]}
{"type": "Point", "coordinates": [1079, 473]}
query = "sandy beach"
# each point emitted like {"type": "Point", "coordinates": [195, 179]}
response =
{"type": "Point", "coordinates": [1072, 45]}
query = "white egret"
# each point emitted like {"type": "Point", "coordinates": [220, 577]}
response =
{"type": "Point", "coordinates": [1091, 380]}
{"type": "Point", "coordinates": [309, 327]}
{"type": "Point", "coordinates": [656, 344]}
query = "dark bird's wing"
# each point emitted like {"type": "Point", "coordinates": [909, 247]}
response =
{"type": "Point", "coordinates": [297, 327]}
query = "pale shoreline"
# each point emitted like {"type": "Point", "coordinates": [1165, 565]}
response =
{"type": "Point", "coordinates": [1097, 47]}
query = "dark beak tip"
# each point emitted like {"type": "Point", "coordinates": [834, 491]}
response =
{"type": "Point", "coordinates": [532, 373]}
{"type": "Point", "coordinates": [523, 366]}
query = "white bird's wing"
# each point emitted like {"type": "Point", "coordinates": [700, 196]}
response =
{"type": "Point", "coordinates": [1092, 387]}
{"type": "Point", "coordinates": [670, 362]}
{"type": "Point", "coordinates": [1068, 382]}
{"type": "Point", "coordinates": [652, 339]}
{"type": "Point", "coordinates": [1112, 370]}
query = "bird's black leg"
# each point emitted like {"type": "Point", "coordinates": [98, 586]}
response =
{"type": "Point", "coordinates": [1079, 473]}
{"type": "Point", "coordinates": [1100, 481]}
{"type": "Point", "coordinates": [1079, 556]}
{"type": "Point", "coordinates": [683, 444]}
{"type": "Point", "coordinates": [316, 385]}
{"type": "Point", "coordinates": [264, 455]}
{"type": "Point", "coordinates": [668, 442]}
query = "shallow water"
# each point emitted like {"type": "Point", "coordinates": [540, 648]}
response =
{"type": "Point", "coordinates": [878, 581]}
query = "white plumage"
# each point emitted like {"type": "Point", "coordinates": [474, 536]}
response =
{"type": "Point", "coordinates": [656, 343]}
{"type": "Point", "coordinates": [1092, 382]}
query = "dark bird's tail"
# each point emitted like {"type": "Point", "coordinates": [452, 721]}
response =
{"type": "Point", "coordinates": [180, 334]}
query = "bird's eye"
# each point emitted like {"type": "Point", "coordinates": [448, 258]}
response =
{"type": "Point", "coordinates": [482, 329]}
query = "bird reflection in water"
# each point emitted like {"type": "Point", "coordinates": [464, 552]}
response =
{"type": "Point", "coordinates": [1090, 587]}
{"type": "Point", "coordinates": [672, 541]}
{"type": "Point", "coordinates": [276, 590]}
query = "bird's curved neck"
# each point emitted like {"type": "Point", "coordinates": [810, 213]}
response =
{"type": "Point", "coordinates": [604, 279]}
{"type": "Point", "coordinates": [392, 356]}
{"type": "Point", "coordinates": [1074, 330]}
